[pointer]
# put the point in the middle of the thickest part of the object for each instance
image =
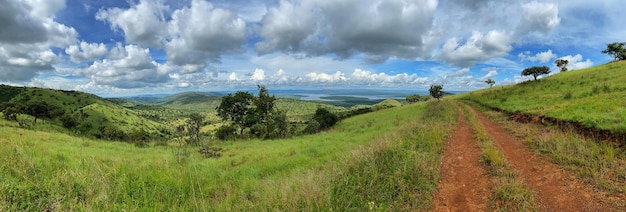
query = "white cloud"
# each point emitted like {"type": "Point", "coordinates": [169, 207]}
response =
{"type": "Point", "coordinates": [233, 77]}
{"type": "Point", "coordinates": [202, 33]}
{"type": "Point", "coordinates": [542, 57]}
{"type": "Point", "coordinates": [477, 48]}
{"type": "Point", "coordinates": [27, 34]}
{"type": "Point", "coordinates": [258, 75]}
{"type": "Point", "coordinates": [326, 78]}
{"type": "Point", "coordinates": [86, 51]}
{"type": "Point", "coordinates": [379, 30]}
{"type": "Point", "coordinates": [576, 62]}
{"type": "Point", "coordinates": [128, 66]}
{"type": "Point", "coordinates": [142, 24]}
{"type": "Point", "coordinates": [539, 17]}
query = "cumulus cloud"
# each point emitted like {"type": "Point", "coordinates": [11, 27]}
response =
{"type": "Point", "coordinates": [539, 17]}
{"type": "Point", "coordinates": [258, 75]}
{"type": "Point", "coordinates": [542, 57]}
{"type": "Point", "coordinates": [379, 30]}
{"type": "Point", "coordinates": [128, 66]}
{"type": "Point", "coordinates": [576, 62]}
{"type": "Point", "coordinates": [142, 24]}
{"type": "Point", "coordinates": [478, 47]}
{"type": "Point", "coordinates": [202, 33]}
{"type": "Point", "coordinates": [326, 78]}
{"type": "Point", "coordinates": [86, 51]}
{"type": "Point", "coordinates": [27, 34]}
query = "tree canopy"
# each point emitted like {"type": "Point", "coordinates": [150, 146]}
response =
{"type": "Point", "coordinates": [490, 82]}
{"type": "Point", "coordinates": [616, 50]}
{"type": "Point", "coordinates": [436, 91]}
{"type": "Point", "coordinates": [562, 64]}
{"type": "Point", "coordinates": [536, 71]}
{"type": "Point", "coordinates": [236, 108]}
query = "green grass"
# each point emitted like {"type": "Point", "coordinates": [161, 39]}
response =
{"type": "Point", "coordinates": [600, 164]}
{"type": "Point", "coordinates": [49, 170]}
{"type": "Point", "coordinates": [509, 193]}
{"type": "Point", "coordinates": [594, 97]}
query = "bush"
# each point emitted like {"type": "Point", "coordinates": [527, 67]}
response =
{"type": "Point", "coordinates": [226, 132]}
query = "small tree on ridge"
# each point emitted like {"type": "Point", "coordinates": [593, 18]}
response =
{"type": "Point", "coordinates": [562, 64]}
{"type": "Point", "coordinates": [536, 71]}
{"type": "Point", "coordinates": [436, 91]}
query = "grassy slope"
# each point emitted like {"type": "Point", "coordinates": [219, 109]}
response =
{"type": "Point", "coordinates": [51, 170]}
{"type": "Point", "coordinates": [100, 111]}
{"type": "Point", "coordinates": [595, 97]}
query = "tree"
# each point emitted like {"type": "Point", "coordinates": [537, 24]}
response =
{"type": "Point", "coordinates": [562, 64]}
{"type": "Point", "coordinates": [536, 71]}
{"type": "Point", "coordinates": [194, 123]}
{"type": "Point", "coordinates": [490, 82]}
{"type": "Point", "coordinates": [436, 91]}
{"type": "Point", "coordinates": [322, 120]}
{"type": "Point", "coordinates": [616, 50]}
{"type": "Point", "coordinates": [236, 108]}
{"type": "Point", "coordinates": [42, 110]}
{"type": "Point", "coordinates": [414, 98]}
{"type": "Point", "coordinates": [264, 109]}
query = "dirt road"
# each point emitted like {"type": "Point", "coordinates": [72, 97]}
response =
{"type": "Point", "coordinates": [465, 185]}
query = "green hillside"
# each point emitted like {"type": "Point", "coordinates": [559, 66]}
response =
{"type": "Point", "coordinates": [594, 97]}
{"type": "Point", "coordinates": [93, 115]}
{"type": "Point", "coordinates": [367, 154]}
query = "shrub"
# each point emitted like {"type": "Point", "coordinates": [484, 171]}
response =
{"type": "Point", "coordinates": [226, 132]}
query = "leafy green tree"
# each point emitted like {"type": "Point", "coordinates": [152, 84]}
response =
{"type": "Point", "coordinates": [264, 107]}
{"type": "Point", "coordinates": [225, 132]}
{"type": "Point", "coordinates": [414, 98]}
{"type": "Point", "coordinates": [194, 123]}
{"type": "Point", "coordinates": [616, 50]}
{"type": "Point", "coordinates": [42, 110]}
{"type": "Point", "coordinates": [490, 82]}
{"type": "Point", "coordinates": [325, 118]}
{"type": "Point", "coordinates": [536, 71]}
{"type": "Point", "coordinates": [562, 64]}
{"type": "Point", "coordinates": [237, 108]}
{"type": "Point", "coordinates": [69, 121]}
{"type": "Point", "coordinates": [436, 91]}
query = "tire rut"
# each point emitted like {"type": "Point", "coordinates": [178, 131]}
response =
{"type": "Point", "coordinates": [555, 189]}
{"type": "Point", "coordinates": [465, 184]}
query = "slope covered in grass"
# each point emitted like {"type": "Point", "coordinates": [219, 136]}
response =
{"type": "Point", "coordinates": [594, 97]}
{"type": "Point", "coordinates": [382, 160]}
{"type": "Point", "coordinates": [90, 111]}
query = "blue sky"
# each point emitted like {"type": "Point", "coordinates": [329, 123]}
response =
{"type": "Point", "coordinates": [126, 47]}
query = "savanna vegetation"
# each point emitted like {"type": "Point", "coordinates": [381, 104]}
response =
{"type": "Point", "coordinates": [55, 171]}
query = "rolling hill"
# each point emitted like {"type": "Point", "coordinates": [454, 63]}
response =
{"type": "Point", "coordinates": [94, 115]}
{"type": "Point", "coordinates": [594, 98]}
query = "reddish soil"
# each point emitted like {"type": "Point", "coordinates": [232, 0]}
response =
{"type": "Point", "coordinates": [465, 185]}
{"type": "Point", "coordinates": [555, 189]}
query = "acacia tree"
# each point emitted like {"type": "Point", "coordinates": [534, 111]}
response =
{"type": "Point", "coordinates": [490, 82]}
{"type": "Point", "coordinates": [536, 71]}
{"type": "Point", "coordinates": [562, 64]}
{"type": "Point", "coordinates": [237, 108]}
{"type": "Point", "coordinates": [616, 50]}
{"type": "Point", "coordinates": [436, 91]}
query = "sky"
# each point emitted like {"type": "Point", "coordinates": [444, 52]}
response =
{"type": "Point", "coordinates": [133, 47]}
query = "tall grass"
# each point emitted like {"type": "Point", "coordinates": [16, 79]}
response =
{"type": "Point", "coordinates": [54, 171]}
{"type": "Point", "coordinates": [510, 193]}
{"type": "Point", "coordinates": [593, 97]}
{"type": "Point", "coordinates": [598, 163]}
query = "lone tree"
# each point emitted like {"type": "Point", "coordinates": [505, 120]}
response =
{"type": "Point", "coordinates": [236, 108]}
{"type": "Point", "coordinates": [536, 71]}
{"type": "Point", "coordinates": [562, 64]}
{"type": "Point", "coordinates": [616, 50]}
{"type": "Point", "coordinates": [436, 91]}
{"type": "Point", "coordinates": [490, 82]}
{"type": "Point", "coordinates": [194, 123]}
